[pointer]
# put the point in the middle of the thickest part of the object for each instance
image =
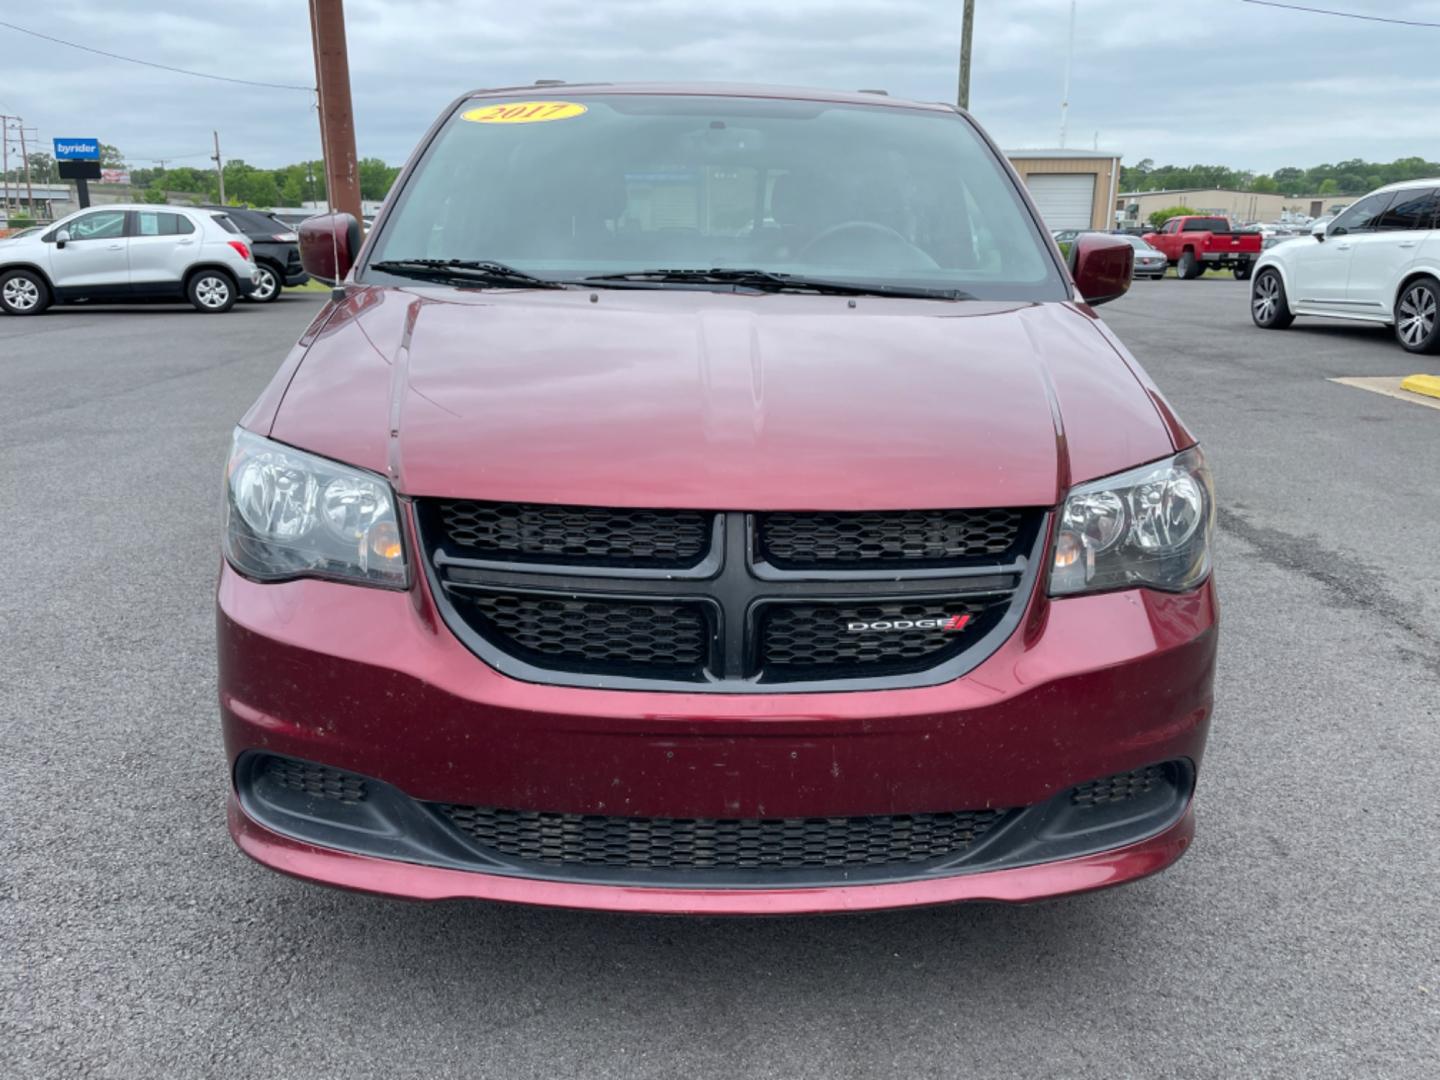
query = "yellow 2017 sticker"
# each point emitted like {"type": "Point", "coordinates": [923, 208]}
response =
{"type": "Point", "coordinates": [524, 112]}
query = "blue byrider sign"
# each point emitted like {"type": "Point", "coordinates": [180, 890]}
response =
{"type": "Point", "coordinates": [77, 149]}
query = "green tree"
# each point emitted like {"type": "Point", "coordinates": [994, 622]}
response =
{"type": "Point", "coordinates": [1266, 185]}
{"type": "Point", "coordinates": [1328, 187]}
{"type": "Point", "coordinates": [154, 194]}
{"type": "Point", "coordinates": [1159, 217]}
{"type": "Point", "coordinates": [376, 178]}
{"type": "Point", "coordinates": [42, 169]}
{"type": "Point", "coordinates": [292, 191]}
{"type": "Point", "coordinates": [262, 190]}
{"type": "Point", "coordinates": [110, 157]}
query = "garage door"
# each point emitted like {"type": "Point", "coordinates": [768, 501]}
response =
{"type": "Point", "coordinates": [1065, 199]}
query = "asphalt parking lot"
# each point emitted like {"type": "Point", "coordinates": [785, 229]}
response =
{"type": "Point", "coordinates": [1298, 937]}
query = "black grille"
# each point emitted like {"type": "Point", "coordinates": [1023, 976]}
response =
{"type": "Point", "coordinates": [728, 601]}
{"type": "Point", "coordinates": [807, 636]}
{"type": "Point", "coordinates": [1117, 788]}
{"type": "Point", "coordinates": [650, 634]}
{"type": "Point", "coordinates": [707, 844]}
{"type": "Point", "coordinates": [584, 535]}
{"type": "Point", "coordinates": [315, 780]}
{"type": "Point", "coordinates": [876, 538]}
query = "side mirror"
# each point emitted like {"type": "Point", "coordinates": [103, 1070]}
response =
{"type": "Point", "coordinates": [62, 238]}
{"type": "Point", "coordinates": [1318, 231]}
{"type": "Point", "coordinates": [328, 246]}
{"type": "Point", "coordinates": [1101, 266]}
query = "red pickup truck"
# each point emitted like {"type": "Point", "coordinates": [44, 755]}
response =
{"type": "Point", "coordinates": [1196, 244]}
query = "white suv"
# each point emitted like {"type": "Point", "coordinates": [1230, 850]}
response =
{"type": "Point", "coordinates": [1379, 261]}
{"type": "Point", "coordinates": [128, 252]}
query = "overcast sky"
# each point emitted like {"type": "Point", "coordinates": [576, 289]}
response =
{"type": "Point", "coordinates": [1180, 81]}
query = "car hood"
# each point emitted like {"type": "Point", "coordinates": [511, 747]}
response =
{"type": "Point", "coordinates": [681, 398]}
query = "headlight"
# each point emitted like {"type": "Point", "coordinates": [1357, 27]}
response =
{"type": "Point", "coordinates": [1147, 527]}
{"type": "Point", "coordinates": [289, 514]}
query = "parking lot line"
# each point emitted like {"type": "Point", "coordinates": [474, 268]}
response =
{"type": "Point", "coordinates": [1391, 386]}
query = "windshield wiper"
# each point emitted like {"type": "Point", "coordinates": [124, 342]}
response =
{"type": "Point", "coordinates": [466, 271]}
{"type": "Point", "coordinates": [774, 281]}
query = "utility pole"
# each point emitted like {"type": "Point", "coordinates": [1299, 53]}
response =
{"type": "Point", "coordinates": [5, 157]}
{"type": "Point", "coordinates": [967, 25]}
{"type": "Point", "coordinates": [337, 118]}
{"type": "Point", "coordinates": [25, 157]}
{"type": "Point", "coordinates": [219, 166]}
{"type": "Point", "coordinates": [1069, 62]}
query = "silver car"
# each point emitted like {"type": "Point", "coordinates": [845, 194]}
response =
{"type": "Point", "coordinates": [1149, 263]}
{"type": "Point", "coordinates": [128, 252]}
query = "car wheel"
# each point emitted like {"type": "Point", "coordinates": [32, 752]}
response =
{"type": "Point", "coordinates": [1189, 267]}
{"type": "Point", "coordinates": [267, 284]}
{"type": "Point", "coordinates": [1417, 316]}
{"type": "Point", "coordinates": [1242, 273]}
{"type": "Point", "coordinates": [211, 292]}
{"type": "Point", "coordinates": [23, 292]}
{"type": "Point", "coordinates": [1268, 306]}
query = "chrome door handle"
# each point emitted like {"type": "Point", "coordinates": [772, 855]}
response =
{"type": "Point", "coordinates": [1407, 243]}
{"type": "Point", "coordinates": [183, 243]}
{"type": "Point", "coordinates": [115, 247]}
{"type": "Point", "coordinates": [1343, 247]}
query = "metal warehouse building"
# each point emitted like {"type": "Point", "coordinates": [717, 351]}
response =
{"type": "Point", "coordinates": [1074, 189]}
{"type": "Point", "coordinates": [1135, 207]}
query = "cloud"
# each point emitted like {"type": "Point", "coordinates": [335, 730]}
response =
{"type": "Point", "coordinates": [1216, 81]}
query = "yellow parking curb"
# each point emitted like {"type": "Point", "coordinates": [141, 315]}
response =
{"type": "Point", "coordinates": [1429, 385]}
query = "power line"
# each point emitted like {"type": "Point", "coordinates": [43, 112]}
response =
{"type": "Point", "coordinates": [1342, 14]}
{"type": "Point", "coordinates": [150, 63]}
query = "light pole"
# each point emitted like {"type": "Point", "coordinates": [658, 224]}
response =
{"type": "Point", "coordinates": [1069, 62]}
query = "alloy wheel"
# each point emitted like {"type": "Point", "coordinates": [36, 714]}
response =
{"type": "Point", "coordinates": [266, 284]}
{"type": "Point", "coordinates": [1266, 301]}
{"type": "Point", "coordinates": [1418, 311]}
{"type": "Point", "coordinates": [21, 294]}
{"type": "Point", "coordinates": [212, 291]}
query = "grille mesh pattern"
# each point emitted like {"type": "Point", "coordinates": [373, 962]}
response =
{"type": "Point", "coordinates": [676, 844]}
{"type": "Point", "coordinates": [315, 780]}
{"type": "Point", "coordinates": [581, 534]}
{"type": "Point", "coordinates": [614, 631]}
{"type": "Point", "coordinates": [1117, 788]}
{"type": "Point", "coordinates": [818, 635]}
{"type": "Point", "coordinates": [834, 539]}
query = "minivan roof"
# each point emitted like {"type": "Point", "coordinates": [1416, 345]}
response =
{"type": "Point", "coordinates": [714, 89]}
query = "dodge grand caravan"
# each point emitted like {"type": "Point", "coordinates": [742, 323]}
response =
{"type": "Point", "coordinates": [718, 500]}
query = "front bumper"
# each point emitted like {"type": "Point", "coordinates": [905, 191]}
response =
{"type": "Point", "coordinates": [373, 682]}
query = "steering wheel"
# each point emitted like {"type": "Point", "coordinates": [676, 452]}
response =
{"type": "Point", "coordinates": [911, 257]}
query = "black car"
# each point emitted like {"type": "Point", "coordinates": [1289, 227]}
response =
{"type": "Point", "coordinates": [276, 249]}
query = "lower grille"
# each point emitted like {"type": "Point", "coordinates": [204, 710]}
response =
{"type": "Point", "coordinates": [872, 637]}
{"type": "Point", "coordinates": [650, 635]}
{"type": "Point", "coordinates": [314, 780]}
{"type": "Point", "coordinates": [709, 844]}
{"type": "Point", "coordinates": [1117, 788]}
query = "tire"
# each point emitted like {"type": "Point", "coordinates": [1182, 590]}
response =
{"type": "Point", "coordinates": [1269, 306]}
{"type": "Point", "coordinates": [23, 292]}
{"type": "Point", "coordinates": [1417, 316]}
{"type": "Point", "coordinates": [1189, 267]}
{"type": "Point", "coordinates": [1244, 271]}
{"type": "Point", "coordinates": [211, 291]}
{"type": "Point", "coordinates": [268, 284]}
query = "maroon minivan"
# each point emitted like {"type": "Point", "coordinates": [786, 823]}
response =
{"type": "Point", "coordinates": [720, 500]}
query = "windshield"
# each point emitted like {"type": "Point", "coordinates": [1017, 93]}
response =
{"type": "Point", "coordinates": [613, 184]}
